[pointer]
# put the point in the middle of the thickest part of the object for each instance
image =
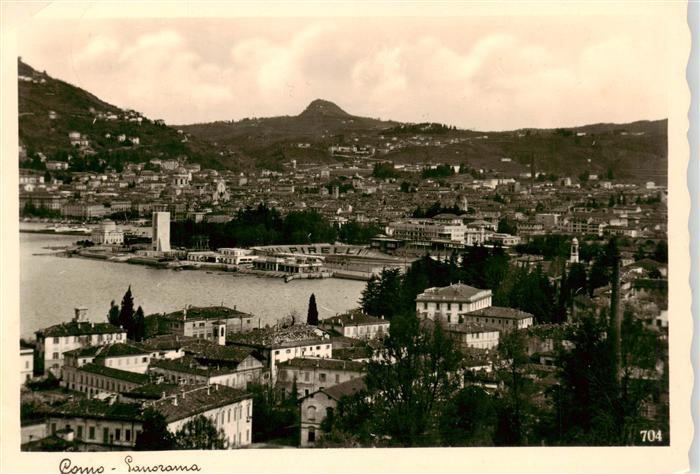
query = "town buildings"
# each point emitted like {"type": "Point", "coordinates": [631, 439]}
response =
{"type": "Point", "coordinates": [210, 322]}
{"type": "Point", "coordinates": [112, 426]}
{"type": "Point", "coordinates": [447, 303]}
{"type": "Point", "coordinates": [54, 341]}
{"type": "Point", "coordinates": [316, 406]}
{"type": "Point", "coordinates": [357, 325]}
{"type": "Point", "coordinates": [117, 425]}
{"type": "Point", "coordinates": [96, 380]}
{"type": "Point", "coordinates": [107, 234]}
{"type": "Point", "coordinates": [26, 361]}
{"type": "Point", "coordinates": [232, 367]}
{"type": "Point", "coordinates": [120, 356]}
{"type": "Point", "coordinates": [312, 374]}
{"type": "Point", "coordinates": [229, 409]}
{"type": "Point", "coordinates": [277, 345]}
{"type": "Point", "coordinates": [505, 319]}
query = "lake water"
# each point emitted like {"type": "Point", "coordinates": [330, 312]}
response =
{"type": "Point", "coordinates": [51, 286]}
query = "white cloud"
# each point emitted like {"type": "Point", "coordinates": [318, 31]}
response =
{"type": "Point", "coordinates": [494, 78]}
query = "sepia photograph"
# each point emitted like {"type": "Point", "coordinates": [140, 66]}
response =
{"type": "Point", "coordinates": [343, 230]}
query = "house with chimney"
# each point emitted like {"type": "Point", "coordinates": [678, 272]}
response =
{"type": "Point", "coordinates": [211, 322]}
{"type": "Point", "coordinates": [115, 425]}
{"type": "Point", "coordinates": [230, 410]}
{"type": "Point", "coordinates": [53, 342]}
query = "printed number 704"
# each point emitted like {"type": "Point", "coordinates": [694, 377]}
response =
{"type": "Point", "coordinates": [650, 436]}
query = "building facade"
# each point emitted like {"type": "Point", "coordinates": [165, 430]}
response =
{"type": "Point", "coordinates": [161, 232]}
{"type": "Point", "coordinates": [320, 404]}
{"type": "Point", "coordinates": [505, 319]}
{"type": "Point", "coordinates": [311, 375]}
{"type": "Point", "coordinates": [107, 234]}
{"type": "Point", "coordinates": [229, 409]}
{"type": "Point", "coordinates": [56, 340]}
{"type": "Point", "coordinates": [356, 325]}
{"type": "Point", "coordinates": [446, 303]}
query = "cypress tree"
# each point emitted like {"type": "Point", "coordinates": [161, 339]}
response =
{"type": "Point", "coordinates": [113, 315]}
{"type": "Point", "coordinates": [139, 325]}
{"type": "Point", "coordinates": [312, 315]}
{"type": "Point", "coordinates": [126, 314]}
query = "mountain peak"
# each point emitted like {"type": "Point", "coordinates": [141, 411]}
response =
{"type": "Point", "coordinates": [323, 108]}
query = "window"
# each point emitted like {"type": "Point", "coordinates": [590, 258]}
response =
{"type": "Point", "coordinates": [80, 432]}
{"type": "Point", "coordinates": [318, 348]}
{"type": "Point", "coordinates": [144, 359]}
{"type": "Point", "coordinates": [55, 340]}
{"type": "Point", "coordinates": [337, 378]}
{"type": "Point", "coordinates": [53, 428]}
{"type": "Point", "coordinates": [117, 434]}
{"type": "Point", "coordinates": [425, 305]}
{"type": "Point", "coordinates": [312, 434]}
{"type": "Point", "coordinates": [91, 432]}
{"type": "Point", "coordinates": [449, 306]}
{"type": "Point", "coordinates": [321, 377]}
{"type": "Point", "coordinates": [306, 376]}
{"type": "Point", "coordinates": [460, 306]}
{"type": "Point", "coordinates": [311, 413]}
{"type": "Point", "coordinates": [105, 435]}
{"type": "Point", "coordinates": [55, 355]}
{"type": "Point", "coordinates": [306, 392]}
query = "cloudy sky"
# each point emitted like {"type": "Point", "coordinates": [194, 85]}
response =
{"type": "Point", "coordinates": [484, 73]}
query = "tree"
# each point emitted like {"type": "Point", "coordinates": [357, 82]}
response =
{"type": "Point", "coordinates": [126, 314]}
{"type": "Point", "coordinates": [155, 435]}
{"type": "Point", "coordinates": [312, 314]}
{"type": "Point", "coordinates": [468, 418]}
{"type": "Point", "coordinates": [275, 416]}
{"type": "Point", "coordinates": [384, 170]}
{"type": "Point", "coordinates": [382, 296]}
{"type": "Point", "coordinates": [507, 226]}
{"type": "Point", "coordinates": [139, 326]}
{"type": "Point", "coordinates": [113, 315]}
{"type": "Point", "coordinates": [410, 376]}
{"type": "Point", "coordinates": [661, 252]}
{"type": "Point", "coordinates": [514, 406]}
{"type": "Point", "coordinates": [200, 433]}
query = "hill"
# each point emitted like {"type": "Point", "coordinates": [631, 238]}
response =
{"type": "Point", "coordinates": [50, 110]}
{"type": "Point", "coordinates": [634, 151]}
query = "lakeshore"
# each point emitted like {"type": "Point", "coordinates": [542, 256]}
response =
{"type": "Point", "coordinates": [51, 287]}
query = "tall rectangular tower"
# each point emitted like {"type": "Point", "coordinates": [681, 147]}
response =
{"type": "Point", "coordinates": [161, 231]}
